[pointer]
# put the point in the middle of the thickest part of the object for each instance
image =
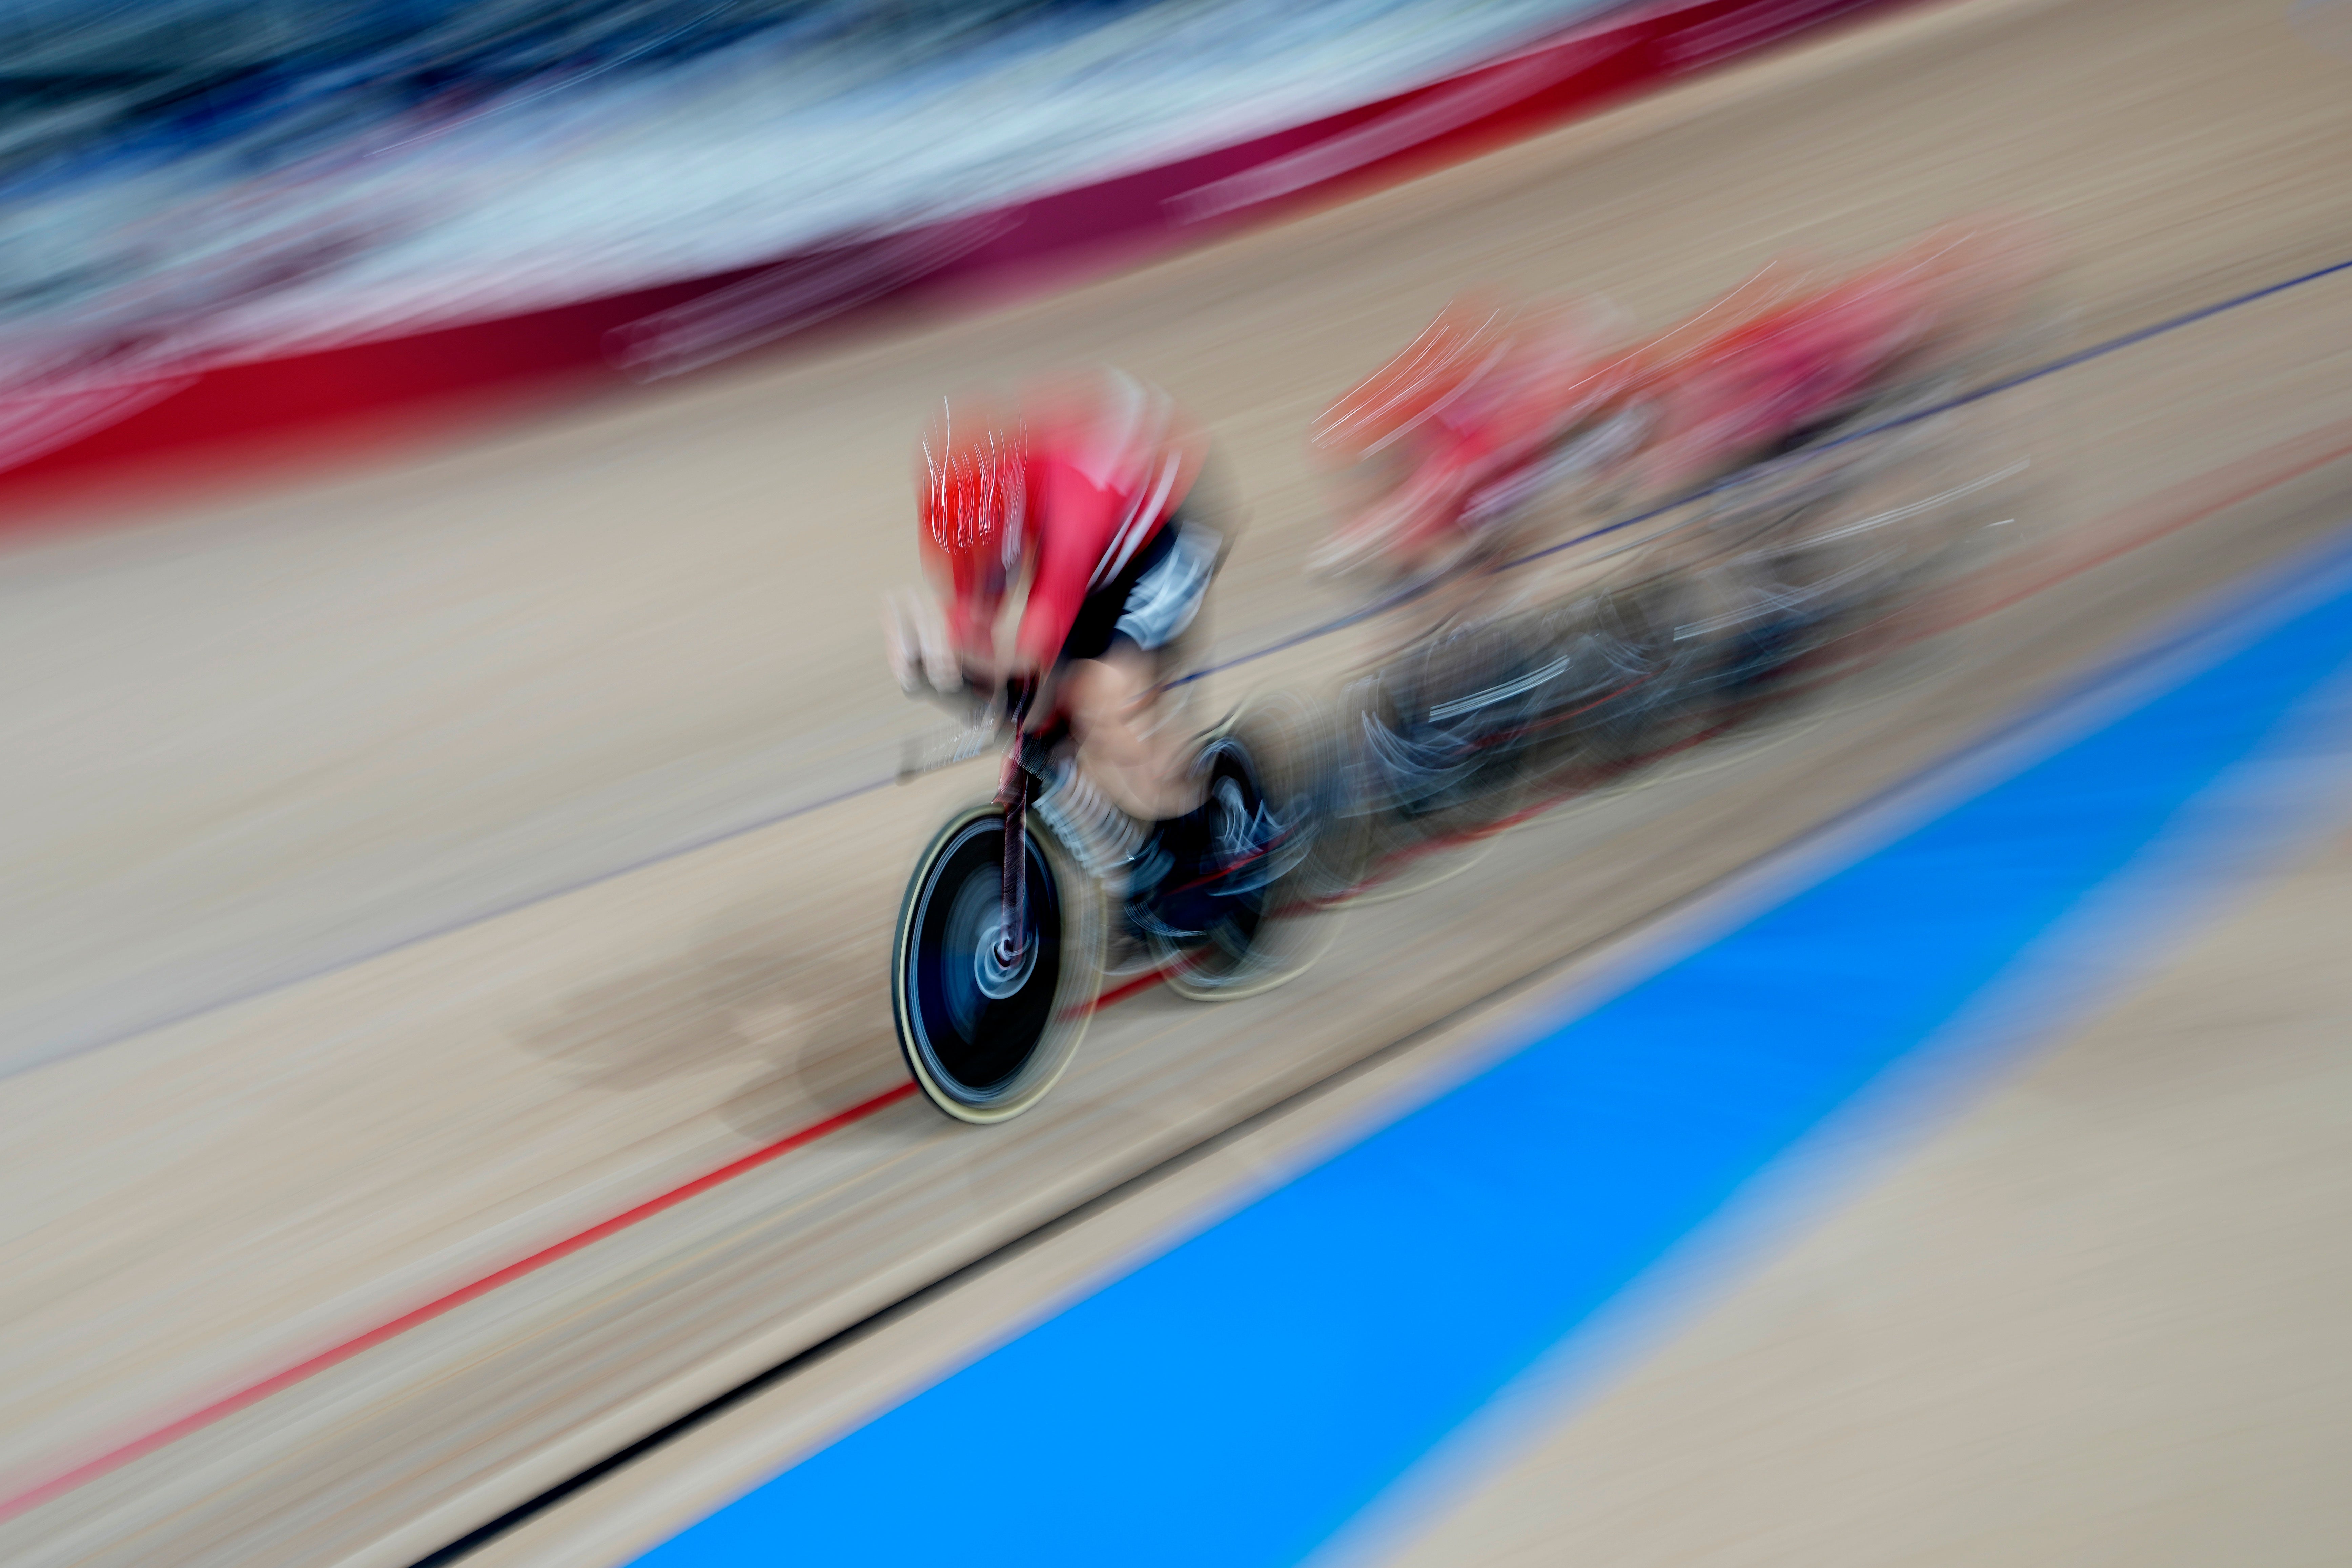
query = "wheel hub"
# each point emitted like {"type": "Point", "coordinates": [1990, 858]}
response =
{"type": "Point", "coordinates": [997, 973]}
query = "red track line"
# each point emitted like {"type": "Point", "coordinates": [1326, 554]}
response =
{"type": "Point", "coordinates": [114, 1458]}
{"type": "Point", "coordinates": [2256, 465]}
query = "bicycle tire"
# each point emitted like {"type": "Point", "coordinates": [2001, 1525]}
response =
{"type": "Point", "coordinates": [982, 1053]}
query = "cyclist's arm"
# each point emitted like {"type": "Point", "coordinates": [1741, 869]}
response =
{"type": "Point", "coordinates": [1078, 527]}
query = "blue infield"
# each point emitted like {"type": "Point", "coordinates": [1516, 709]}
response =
{"type": "Point", "coordinates": [1239, 1399]}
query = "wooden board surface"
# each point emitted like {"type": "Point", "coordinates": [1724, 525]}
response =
{"type": "Point", "coordinates": [305, 1032]}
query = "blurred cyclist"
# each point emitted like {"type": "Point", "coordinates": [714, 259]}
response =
{"type": "Point", "coordinates": [1439, 452]}
{"type": "Point", "coordinates": [1079, 493]}
{"type": "Point", "coordinates": [1786, 356]}
{"type": "Point", "coordinates": [1496, 403]}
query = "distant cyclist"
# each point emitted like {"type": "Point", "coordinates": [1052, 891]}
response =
{"type": "Point", "coordinates": [1439, 452]}
{"type": "Point", "coordinates": [1498, 402]}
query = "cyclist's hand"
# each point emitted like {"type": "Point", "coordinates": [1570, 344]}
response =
{"type": "Point", "coordinates": [915, 639]}
{"type": "Point", "coordinates": [1029, 692]}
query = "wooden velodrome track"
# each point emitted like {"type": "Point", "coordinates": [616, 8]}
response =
{"type": "Point", "coordinates": [304, 1030]}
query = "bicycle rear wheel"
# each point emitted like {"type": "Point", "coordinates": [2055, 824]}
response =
{"type": "Point", "coordinates": [1269, 774]}
{"type": "Point", "coordinates": [986, 1041]}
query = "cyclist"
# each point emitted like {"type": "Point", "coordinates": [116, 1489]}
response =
{"type": "Point", "coordinates": [1498, 402]}
{"type": "Point", "coordinates": [1079, 493]}
{"type": "Point", "coordinates": [1789, 355]}
{"type": "Point", "coordinates": [1440, 450]}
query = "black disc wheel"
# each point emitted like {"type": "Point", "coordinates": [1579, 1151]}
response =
{"type": "Point", "coordinates": [986, 1036]}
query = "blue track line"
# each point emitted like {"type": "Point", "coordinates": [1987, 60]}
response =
{"type": "Point", "coordinates": [1239, 1399]}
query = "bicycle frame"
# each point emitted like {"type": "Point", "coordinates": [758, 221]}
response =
{"type": "Point", "coordinates": [1013, 794]}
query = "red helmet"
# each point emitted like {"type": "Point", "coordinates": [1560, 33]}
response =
{"type": "Point", "coordinates": [1453, 352]}
{"type": "Point", "coordinates": [969, 487]}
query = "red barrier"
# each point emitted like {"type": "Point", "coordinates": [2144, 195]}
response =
{"type": "Point", "coordinates": [198, 422]}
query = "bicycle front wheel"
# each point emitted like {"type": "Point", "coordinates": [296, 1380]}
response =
{"type": "Point", "coordinates": [984, 1039]}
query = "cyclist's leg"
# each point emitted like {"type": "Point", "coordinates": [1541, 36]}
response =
{"type": "Point", "coordinates": [1131, 742]}
{"type": "Point", "coordinates": [1129, 770]}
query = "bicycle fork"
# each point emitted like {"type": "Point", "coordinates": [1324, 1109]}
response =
{"type": "Point", "coordinates": [1013, 794]}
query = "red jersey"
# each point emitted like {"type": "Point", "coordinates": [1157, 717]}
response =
{"type": "Point", "coordinates": [1106, 465]}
